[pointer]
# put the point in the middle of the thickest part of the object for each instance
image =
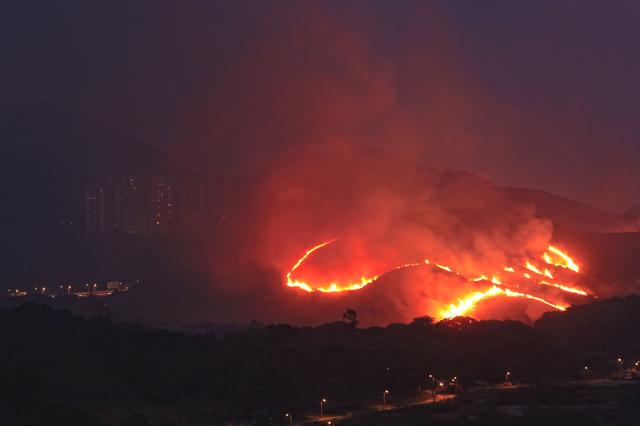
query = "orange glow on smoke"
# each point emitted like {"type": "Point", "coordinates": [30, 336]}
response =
{"type": "Point", "coordinates": [327, 288]}
{"type": "Point", "coordinates": [465, 304]}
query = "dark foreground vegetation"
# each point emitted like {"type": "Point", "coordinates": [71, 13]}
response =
{"type": "Point", "coordinates": [61, 369]}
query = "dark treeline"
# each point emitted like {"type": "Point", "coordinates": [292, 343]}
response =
{"type": "Point", "coordinates": [58, 368]}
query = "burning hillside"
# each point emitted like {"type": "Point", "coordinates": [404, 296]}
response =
{"type": "Point", "coordinates": [521, 280]}
{"type": "Point", "coordinates": [397, 240]}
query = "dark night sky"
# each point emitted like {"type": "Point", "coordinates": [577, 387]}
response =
{"type": "Point", "coordinates": [538, 94]}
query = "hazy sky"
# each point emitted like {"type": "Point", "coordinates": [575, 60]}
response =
{"type": "Point", "coordinates": [531, 93]}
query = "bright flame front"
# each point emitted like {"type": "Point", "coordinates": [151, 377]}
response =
{"type": "Point", "coordinates": [467, 303]}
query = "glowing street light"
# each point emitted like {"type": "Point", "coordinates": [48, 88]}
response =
{"type": "Point", "coordinates": [586, 372]}
{"type": "Point", "coordinates": [384, 398]}
{"type": "Point", "coordinates": [454, 382]}
{"type": "Point", "coordinates": [433, 387]}
{"type": "Point", "coordinates": [433, 380]}
{"type": "Point", "coordinates": [322, 402]}
{"type": "Point", "coordinates": [290, 417]}
{"type": "Point", "coordinates": [507, 377]}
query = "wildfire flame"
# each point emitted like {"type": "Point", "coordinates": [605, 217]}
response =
{"type": "Point", "coordinates": [331, 287]}
{"type": "Point", "coordinates": [469, 302]}
{"type": "Point", "coordinates": [553, 256]}
{"type": "Point", "coordinates": [560, 259]}
{"type": "Point", "coordinates": [530, 266]}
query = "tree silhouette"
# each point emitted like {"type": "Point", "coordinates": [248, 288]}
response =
{"type": "Point", "coordinates": [350, 317]}
{"type": "Point", "coordinates": [424, 321]}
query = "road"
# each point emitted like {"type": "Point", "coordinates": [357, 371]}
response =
{"type": "Point", "coordinates": [335, 419]}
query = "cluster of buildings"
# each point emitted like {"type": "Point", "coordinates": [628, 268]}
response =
{"type": "Point", "coordinates": [146, 204]}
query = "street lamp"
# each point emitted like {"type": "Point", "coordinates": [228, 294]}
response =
{"type": "Point", "coordinates": [433, 381]}
{"type": "Point", "coordinates": [507, 377]}
{"type": "Point", "coordinates": [586, 372]}
{"type": "Point", "coordinates": [433, 387]}
{"type": "Point", "coordinates": [289, 417]}
{"type": "Point", "coordinates": [454, 382]}
{"type": "Point", "coordinates": [384, 398]}
{"type": "Point", "coordinates": [322, 402]}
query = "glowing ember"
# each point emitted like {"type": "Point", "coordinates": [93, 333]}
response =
{"type": "Point", "coordinates": [560, 258]}
{"type": "Point", "coordinates": [532, 267]}
{"type": "Point", "coordinates": [480, 278]}
{"type": "Point", "coordinates": [565, 288]}
{"type": "Point", "coordinates": [468, 302]}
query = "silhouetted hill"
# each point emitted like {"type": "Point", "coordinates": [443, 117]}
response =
{"type": "Point", "coordinates": [50, 154]}
{"type": "Point", "coordinates": [570, 213]}
{"type": "Point", "coordinates": [58, 144]}
{"type": "Point", "coordinates": [48, 151]}
{"type": "Point", "coordinates": [603, 327]}
{"type": "Point", "coordinates": [610, 260]}
{"type": "Point", "coordinates": [47, 148]}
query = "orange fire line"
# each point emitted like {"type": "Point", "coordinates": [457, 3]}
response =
{"type": "Point", "coordinates": [466, 303]}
